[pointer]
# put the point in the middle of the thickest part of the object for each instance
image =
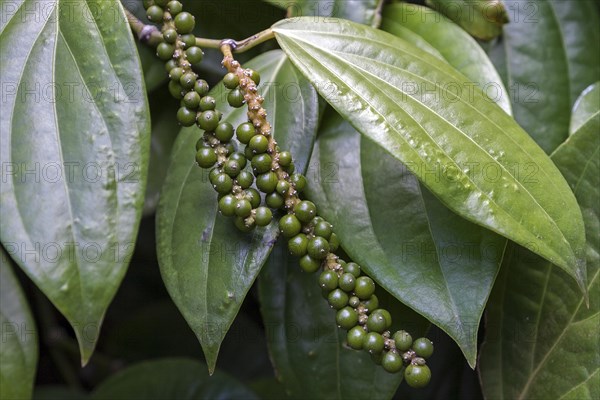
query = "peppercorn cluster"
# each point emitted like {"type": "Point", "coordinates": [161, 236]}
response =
{"type": "Point", "coordinates": [239, 175]}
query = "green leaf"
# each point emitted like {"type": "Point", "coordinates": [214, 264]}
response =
{"type": "Point", "coordinates": [74, 127]}
{"type": "Point", "coordinates": [176, 378]}
{"type": "Point", "coordinates": [453, 44]}
{"type": "Point", "coordinates": [361, 11]}
{"type": "Point", "coordinates": [550, 54]}
{"type": "Point", "coordinates": [402, 234]}
{"type": "Point", "coordinates": [542, 339]}
{"type": "Point", "coordinates": [407, 101]}
{"type": "Point", "coordinates": [207, 265]}
{"type": "Point", "coordinates": [308, 349]}
{"type": "Point", "coordinates": [586, 107]}
{"type": "Point", "coordinates": [19, 350]}
{"type": "Point", "coordinates": [481, 18]}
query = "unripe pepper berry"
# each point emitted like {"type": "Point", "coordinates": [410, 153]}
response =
{"type": "Point", "coordinates": [403, 340]}
{"type": "Point", "coordinates": [346, 318]}
{"type": "Point", "coordinates": [328, 280]}
{"type": "Point", "coordinates": [374, 342]}
{"type": "Point", "coordinates": [263, 216]}
{"type": "Point", "coordinates": [423, 347]}
{"type": "Point", "coordinates": [338, 299]}
{"type": "Point", "coordinates": [356, 337]}
{"type": "Point", "coordinates": [184, 22]}
{"type": "Point", "coordinates": [391, 362]}
{"type": "Point", "coordinates": [364, 287]}
{"type": "Point", "coordinates": [309, 264]}
{"type": "Point", "coordinates": [318, 248]}
{"type": "Point", "coordinates": [417, 376]}
{"type": "Point", "coordinates": [289, 225]}
{"type": "Point", "coordinates": [297, 245]}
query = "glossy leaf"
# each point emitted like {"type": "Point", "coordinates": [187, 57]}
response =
{"type": "Point", "coordinates": [308, 350]}
{"type": "Point", "coordinates": [175, 378]}
{"type": "Point", "coordinates": [481, 18]}
{"type": "Point", "coordinates": [453, 44]}
{"type": "Point", "coordinates": [550, 54]}
{"type": "Point", "coordinates": [74, 129]}
{"type": "Point", "coordinates": [207, 265]}
{"type": "Point", "coordinates": [19, 350]}
{"type": "Point", "coordinates": [586, 107]}
{"type": "Point", "coordinates": [450, 139]}
{"type": "Point", "coordinates": [412, 245]}
{"type": "Point", "coordinates": [542, 338]}
{"type": "Point", "coordinates": [361, 11]}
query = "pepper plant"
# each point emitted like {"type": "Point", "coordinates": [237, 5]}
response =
{"type": "Point", "coordinates": [307, 212]}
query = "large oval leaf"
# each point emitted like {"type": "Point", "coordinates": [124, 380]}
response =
{"type": "Point", "coordinates": [308, 349]}
{"type": "Point", "coordinates": [19, 350]}
{"type": "Point", "coordinates": [407, 101]}
{"type": "Point", "coordinates": [542, 338]}
{"type": "Point", "coordinates": [74, 130]}
{"type": "Point", "coordinates": [481, 18]}
{"type": "Point", "coordinates": [389, 222]}
{"type": "Point", "coordinates": [208, 265]}
{"type": "Point", "coordinates": [549, 52]}
{"type": "Point", "coordinates": [176, 378]}
{"type": "Point", "coordinates": [586, 107]}
{"type": "Point", "coordinates": [454, 44]}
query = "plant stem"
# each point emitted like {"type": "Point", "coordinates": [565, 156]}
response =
{"type": "Point", "coordinates": [148, 34]}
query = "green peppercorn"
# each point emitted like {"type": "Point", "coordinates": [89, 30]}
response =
{"type": "Point", "coordinates": [334, 242]}
{"type": "Point", "coordinates": [201, 143]}
{"type": "Point", "coordinates": [223, 183]}
{"type": "Point", "coordinates": [372, 303]}
{"type": "Point", "coordinates": [261, 163]}
{"type": "Point", "coordinates": [194, 55]}
{"type": "Point", "coordinates": [165, 51]}
{"type": "Point", "coordinates": [352, 268]}
{"type": "Point", "coordinates": [353, 301]}
{"type": "Point", "coordinates": [259, 144]}
{"type": "Point", "coordinates": [423, 347]}
{"type": "Point", "coordinates": [347, 281]}
{"type": "Point", "coordinates": [248, 153]}
{"type": "Point", "coordinates": [231, 80]}
{"type": "Point", "coordinates": [282, 187]}
{"type": "Point", "coordinates": [263, 216]}
{"type": "Point", "coordinates": [318, 247]}
{"type": "Point", "coordinates": [212, 175]}
{"type": "Point", "coordinates": [299, 181]}
{"type": "Point", "coordinates": [240, 158]}
{"type": "Point", "coordinates": [356, 337]}
{"type": "Point", "coordinates": [305, 211]}
{"type": "Point", "coordinates": [391, 362]}
{"type": "Point", "coordinates": [224, 132]}
{"type": "Point", "coordinates": [206, 157]}
{"type": "Point", "coordinates": [364, 288]}
{"type": "Point", "coordinates": [328, 280]}
{"type": "Point", "coordinates": [176, 90]}
{"type": "Point", "coordinates": [297, 245]}
{"type": "Point", "coordinates": [338, 299]}
{"type": "Point", "coordinates": [289, 225]}
{"type": "Point", "coordinates": [253, 197]}
{"type": "Point", "coordinates": [229, 148]}
{"type": "Point", "coordinates": [266, 182]}
{"type": "Point", "coordinates": [188, 40]}
{"type": "Point", "coordinates": [191, 100]}
{"type": "Point", "coordinates": [323, 229]}
{"type": "Point", "coordinates": [309, 264]}
{"type": "Point", "coordinates": [285, 158]}
{"type": "Point", "coordinates": [169, 65]}
{"type": "Point", "coordinates": [227, 205]}
{"type": "Point", "coordinates": [243, 208]}
{"type": "Point", "coordinates": [148, 3]}
{"type": "Point", "coordinates": [255, 76]}
{"type": "Point", "coordinates": [290, 168]}
{"type": "Point", "coordinates": [170, 35]}
{"type": "Point", "coordinates": [232, 168]}
{"type": "Point", "coordinates": [208, 120]}
{"type": "Point", "coordinates": [208, 103]}
{"type": "Point", "coordinates": [347, 318]}
{"type": "Point", "coordinates": [274, 200]}
{"type": "Point", "coordinates": [201, 87]}
{"type": "Point", "coordinates": [235, 98]}
{"type": "Point", "coordinates": [243, 224]}
{"type": "Point", "coordinates": [174, 7]}
{"type": "Point", "coordinates": [417, 376]}
{"type": "Point", "coordinates": [245, 179]}
{"type": "Point", "coordinates": [188, 80]}
{"type": "Point", "coordinates": [184, 22]}
{"type": "Point", "coordinates": [376, 323]}
{"type": "Point", "coordinates": [245, 132]}
{"type": "Point", "coordinates": [374, 342]}
{"type": "Point", "coordinates": [386, 316]}
{"type": "Point", "coordinates": [155, 14]}
{"type": "Point", "coordinates": [403, 340]}
{"type": "Point", "coordinates": [186, 117]}
{"type": "Point", "coordinates": [175, 74]}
